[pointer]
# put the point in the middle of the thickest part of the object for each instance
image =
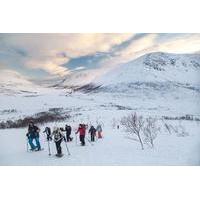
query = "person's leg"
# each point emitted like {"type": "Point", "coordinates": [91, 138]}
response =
{"type": "Point", "coordinates": [83, 140]}
{"type": "Point", "coordinates": [38, 143]}
{"type": "Point", "coordinates": [80, 137]}
{"type": "Point", "coordinates": [99, 134]}
{"type": "Point", "coordinates": [68, 138]}
{"type": "Point", "coordinates": [30, 141]}
{"type": "Point", "coordinates": [59, 147]}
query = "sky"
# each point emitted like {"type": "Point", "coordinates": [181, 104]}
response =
{"type": "Point", "coordinates": [42, 55]}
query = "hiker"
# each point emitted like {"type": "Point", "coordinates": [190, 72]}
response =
{"type": "Point", "coordinates": [92, 132]}
{"type": "Point", "coordinates": [58, 137]}
{"type": "Point", "coordinates": [82, 130]}
{"type": "Point", "coordinates": [99, 131]}
{"type": "Point", "coordinates": [48, 133]}
{"type": "Point", "coordinates": [68, 130]}
{"type": "Point", "coordinates": [33, 134]}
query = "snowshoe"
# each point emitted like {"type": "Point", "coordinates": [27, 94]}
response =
{"type": "Point", "coordinates": [39, 149]}
{"type": "Point", "coordinates": [59, 155]}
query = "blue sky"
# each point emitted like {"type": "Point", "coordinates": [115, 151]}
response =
{"type": "Point", "coordinates": [46, 55]}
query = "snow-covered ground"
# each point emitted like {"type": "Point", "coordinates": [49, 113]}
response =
{"type": "Point", "coordinates": [153, 85]}
{"type": "Point", "coordinates": [114, 149]}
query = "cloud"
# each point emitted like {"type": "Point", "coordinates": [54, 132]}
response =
{"type": "Point", "coordinates": [171, 43]}
{"type": "Point", "coordinates": [189, 43]}
{"type": "Point", "coordinates": [50, 51]}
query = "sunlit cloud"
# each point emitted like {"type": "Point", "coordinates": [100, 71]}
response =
{"type": "Point", "coordinates": [50, 51]}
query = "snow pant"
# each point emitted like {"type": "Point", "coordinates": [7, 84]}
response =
{"type": "Point", "coordinates": [68, 137]}
{"type": "Point", "coordinates": [37, 141]}
{"type": "Point", "coordinates": [58, 147]}
{"type": "Point", "coordinates": [92, 137]}
{"type": "Point", "coordinates": [49, 138]}
{"type": "Point", "coordinates": [30, 141]}
{"type": "Point", "coordinates": [99, 134]}
{"type": "Point", "coordinates": [82, 139]}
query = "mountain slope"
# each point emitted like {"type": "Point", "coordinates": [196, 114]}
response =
{"type": "Point", "coordinates": [12, 83]}
{"type": "Point", "coordinates": [155, 70]}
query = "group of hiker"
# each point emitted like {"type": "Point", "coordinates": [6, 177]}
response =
{"type": "Point", "coordinates": [60, 134]}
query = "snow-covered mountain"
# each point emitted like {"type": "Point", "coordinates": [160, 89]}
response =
{"type": "Point", "coordinates": [13, 83]}
{"type": "Point", "coordinates": [157, 70]}
{"type": "Point", "coordinates": [153, 71]}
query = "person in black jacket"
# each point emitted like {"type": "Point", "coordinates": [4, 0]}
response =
{"type": "Point", "coordinates": [68, 130]}
{"type": "Point", "coordinates": [92, 132]}
{"type": "Point", "coordinates": [48, 133]}
{"type": "Point", "coordinates": [33, 134]}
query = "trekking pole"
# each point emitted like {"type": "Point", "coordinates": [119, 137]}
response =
{"type": "Point", "coordinates": [49, 148]}
{"type": "Point", "coordinates": [76, 139]}
{"type": "Point", "coordinates": [27, 144]}
{"type": "Point", "coordinates": [67, 149]}
{"type": "Point", "coordinates": [89, 141]}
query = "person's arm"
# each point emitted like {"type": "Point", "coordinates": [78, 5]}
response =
{"type": "Point", "coordinates": [77, 131]}
{"type": "Point", "coordinates": [37, 129]}
{"type": "Point", "coordinates": [63, 136]}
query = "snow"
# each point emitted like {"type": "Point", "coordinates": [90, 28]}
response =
{"type": "Point", "coordinates": [13, 83]}
{"type": "Point", "coordinates": [131, 87]}
{"type": "Point", "coordinates": [113, 149]}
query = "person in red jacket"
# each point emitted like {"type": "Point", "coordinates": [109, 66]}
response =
{"type": "Point", "coordinates": [82, 131]}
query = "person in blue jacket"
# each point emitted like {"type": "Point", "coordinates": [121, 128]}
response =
{"type": "Point", "coordinates": [33, 134]}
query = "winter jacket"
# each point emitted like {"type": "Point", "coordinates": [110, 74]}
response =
{"type": "Point", "coordinates": [99, 129]}
{"type": "Point", "coordinates": [47, 131]}
{"type": "Point", "coordinates": [92, 130]}
{"type": "Point", "coordinates": [33, 131]}
{"type": "Point", "coordinates": [81, 130]}
{"type": "Point", "coordinates": [68, 129]}
{"type": "Point", "coordinates": [58, 135]}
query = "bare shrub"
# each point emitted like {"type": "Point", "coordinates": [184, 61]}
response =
{"type": "Point", "coordinates": [134, 125]}
{"type": "Point", "coordinates": [167, 127]}
{"type": "Point", "coordinates": [179, 130]}
{"type": "Point", "coordinates": [150, 130]}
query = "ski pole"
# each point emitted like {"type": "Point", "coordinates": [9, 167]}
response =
{"type": "Point", "coordinates": [67, 149]}
{"type": "Point", "coordinates": [27, 144]}
{"type": "Point", "coordinates": [76, 139]}
{"type": "Point", "coordinates": [89, 141]}
{"type": "Point", "coordinates": [49, 148]}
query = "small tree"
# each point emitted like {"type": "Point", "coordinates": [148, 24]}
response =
{"type": "Point", "coordinates": [134, 125]}
{"type": "Point", "coordinates": [150, 130]}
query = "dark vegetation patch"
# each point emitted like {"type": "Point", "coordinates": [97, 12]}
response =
{"type": "Point", "coordinates": [52, 115]}
{"type": "Point", "coordinates": [119, 107]}
{"type": "Point", "coordinates": [88, 88]}
{"type": "Point", "coordinates": [8, 111]}
{"type": "Point", "coordinates": [185, 117]}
